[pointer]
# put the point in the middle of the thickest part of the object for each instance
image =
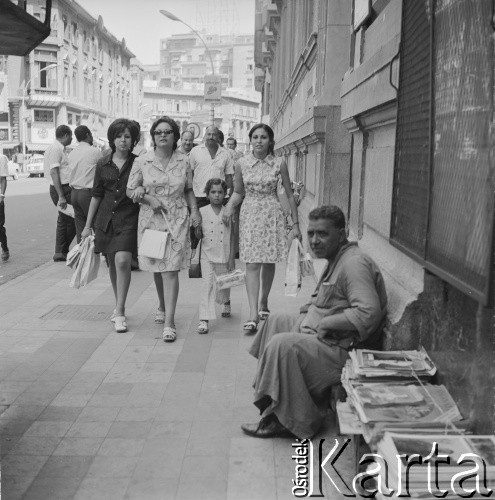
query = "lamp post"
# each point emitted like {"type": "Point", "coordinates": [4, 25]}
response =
{"type": "Point", "coordinates": [173, 17]}
{"type": "Point", "coordinates": [23, 117]}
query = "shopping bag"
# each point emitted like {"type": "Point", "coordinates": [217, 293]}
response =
{"type": "Point", "coordinates": [73, 256]}
{"type": "Point", "coordinates": [306, 263]}
{"type": "Point", "coordinates": [88, 265]}
{"type": "Point", "coordinates": [228, 280]}
{"type": "Point", "coordinates": [293, 270]}
{"type": "Point", "coordinates": [282, 196]}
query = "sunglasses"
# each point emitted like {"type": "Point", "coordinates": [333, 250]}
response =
{"type": "Point", "coordinates": [163, 132]}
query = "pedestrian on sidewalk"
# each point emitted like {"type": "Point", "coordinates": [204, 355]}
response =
{"type": "Point", "coordinates": [114, 215]}
{"type": "Point", "coordinates": [82, 164]}
{"type": "Point", "coordinates": [262, 235]}
{"type": "Point", "coordinates": [187, 142]}
{"type": "Point", "coordinates": [56, 167]}
{"type": "Point", "coordinates": [300, 357]}
{"type": "Point", "coordinates": [217, 253]}
{"type": "Point", "coordinates": [161, 181]}
{"type": "Point", "coordinates": [4, 172]}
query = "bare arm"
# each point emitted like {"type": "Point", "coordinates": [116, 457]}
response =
{"type": "Point", "coordinates": [236, 197]}
{"type": "Point", "coordinates": [3, 185]}
{"type": "Point", "coordinates": [284, 173]}
{"type": "Point", "coordinates": [93, 208]}
{"type": "Point", "coordinates": [57, 184]}
{"type": "Point", "coordinates": [193, 206]}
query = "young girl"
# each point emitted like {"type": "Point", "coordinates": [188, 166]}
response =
{"type": "Point", "coordinates": [217, 254]}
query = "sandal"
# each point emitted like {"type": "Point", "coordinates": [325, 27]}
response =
{"type": "Point", "coordinates": [120, 324]}
{"type": "Point", "coordinates": [202, 326]}
{"type": "Point", "coordinates": [263, 314]}
{"type": "Point", "coordinates": [250, 327]}
{"type": "Point", "coordinates": [226, 310]}
{"type": "Point", "coordinates": [169, 334]}
{"type": "Point", "coordinates": [160, 317]}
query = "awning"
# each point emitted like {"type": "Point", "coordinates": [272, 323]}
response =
{"type": "Point", "coordinates": [9, 145]}
{"type": "Point", "coordinates": [32, 146]}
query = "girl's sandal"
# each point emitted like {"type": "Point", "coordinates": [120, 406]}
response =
{"type": "Point", "coordinates": [160, 317]}
{"type": "Point", "coordinates": [250, 327]}
{"type": "Point", "coordinates": [263, 314]}
{"type": "Point", "coordinates": [202, 326]}
{"type": "Point", "coordinates": [169, 334]}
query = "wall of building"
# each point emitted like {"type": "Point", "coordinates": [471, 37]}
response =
{"type": "Point", "coordinates": [423, 309]}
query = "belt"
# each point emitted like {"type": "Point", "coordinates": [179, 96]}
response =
{"type": "Point", "coordinates": [82, 189]}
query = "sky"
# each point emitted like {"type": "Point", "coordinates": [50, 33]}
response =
{"type": "Point", "coordinates": [142, 26]}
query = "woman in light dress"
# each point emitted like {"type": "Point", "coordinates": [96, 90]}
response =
{"type": "Point", "coordinates": [262, 234]}
{"type": "Point", "coordinates": [161, 181]}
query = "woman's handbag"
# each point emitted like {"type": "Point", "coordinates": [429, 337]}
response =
{"type": "Point", "coordinates": [195, 269]}
{"type": "Point", "coordinates": [154, 243]}
{"type": "Point", "coordinates": [228, 280]}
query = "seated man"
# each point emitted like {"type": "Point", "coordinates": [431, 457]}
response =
{"type": "Point", "coordinates": [301, 357]}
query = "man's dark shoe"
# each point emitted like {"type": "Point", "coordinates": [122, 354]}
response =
{"type": "Point", "coordinates": [5, 255]}
{"type": "Point", "coordinates": [267, 427]}
{"type": "Point", "coordinates": [59, 257]}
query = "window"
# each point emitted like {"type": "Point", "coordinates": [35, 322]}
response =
{"type": "Point", "coordinates": [442, 208]}
{"type": "Point", "coordinates": [85, 42]}
{"type": "Point", "coordinates": [74, 83]}
{"type": "Point", "coordinates": [66, 27]}
{"type": "Point", "coordinates": [73, 33]}
{"type": "Point", "coordinates": [44, 115]}
{"type": "Point", "coordinates": [93, 47]}
{"type": "Point", "coordinates": [47, 78]}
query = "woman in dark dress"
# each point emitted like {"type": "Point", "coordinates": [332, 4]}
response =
{"type": "Point", "coordinates": [115, 215]}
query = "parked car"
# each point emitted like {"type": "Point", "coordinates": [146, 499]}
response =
{"type": "Point", "coordinates": [14, 170]}
{"type": "Point", "coordinates": [34, 166]}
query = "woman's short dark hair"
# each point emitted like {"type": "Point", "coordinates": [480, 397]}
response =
{"type": "Point", "coordinates": [173, 125]}
{"type": "Point", "coordinates": [118, 127]}
{"type": "Point", "coordinates": [268, 130]}
{"type": "Point", "coordinates": [329, 212]}
{"type": "Point", "coordinates": [215, 182]}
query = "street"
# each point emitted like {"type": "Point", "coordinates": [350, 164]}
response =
{"type": "Point", "coordinates": [30, 223]}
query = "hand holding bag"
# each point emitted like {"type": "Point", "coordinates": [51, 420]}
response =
{"type": "Point", "coordinates": [195, 268]}
{"type": "Point", "coordinates": [154, 243]}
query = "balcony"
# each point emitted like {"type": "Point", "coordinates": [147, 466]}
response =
{"type": "Point", "coordinates": [44, 97]}
{"type": "Point", "coordinates": [20, 32]}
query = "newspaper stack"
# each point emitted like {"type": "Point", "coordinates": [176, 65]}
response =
{"type": "Point", "coordinates": [407, 405]}
{"type": "Point", "coordinates": [433, 472]}
{"type": "Point", "coordinates": [386, 365]}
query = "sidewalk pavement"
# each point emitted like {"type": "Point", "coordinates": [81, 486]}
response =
{"type": "Point", "coordinates": [87, 413]}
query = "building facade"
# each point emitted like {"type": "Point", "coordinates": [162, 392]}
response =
{"type": "Point", "coordinates": [411, 82]}
{"type": "Point", "coordinates": [184, 60]}
{"type": "Point", "coordinates": [80, 74]}
{"type": "Point", "coordinates": [237, 113]}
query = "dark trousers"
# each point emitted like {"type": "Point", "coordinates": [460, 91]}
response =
{"type": "Point", "coordinates": [3, 232]}
{"type": "Point", "coordinates": [66, 228]}
{"type": "Point", "coordinates": [201, 202]}
{"type": "Point", "coordinates": [81, 199]}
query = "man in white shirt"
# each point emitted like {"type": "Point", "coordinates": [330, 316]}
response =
{"type": "Point", "coordinates": [231, 147]}
{"type": "Point", "coordinates": [82, 164]}
{"type": "Point", "coordinates": [4, 172]}
{"type": "Point", "coordinates": [56, 167]}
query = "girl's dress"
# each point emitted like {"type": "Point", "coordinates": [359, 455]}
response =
{"type": "Point", "coordinates": [116, 221]}
{"type": "Point", "coordinates": [215, 252]}
{"type": "Point", "coordinates": [168, 185]}
{"type": "Point", "coordinates": [262, 236]}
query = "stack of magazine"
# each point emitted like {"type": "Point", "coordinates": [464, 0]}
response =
{"type": "Point", "coordinates": [366, 364]}
{"type": "Point", "coordinates": [390, 390]}
{"type": "Point", "coordinates": [433, 472]}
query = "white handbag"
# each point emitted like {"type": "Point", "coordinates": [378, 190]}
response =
{"type": "Point", "coordinates": [154, 243]}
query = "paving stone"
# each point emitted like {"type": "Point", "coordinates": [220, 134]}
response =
{"type": "Point", "coordinates": [104, 488]}
{"type": "Point", "coordinates": [89, 429]}
{"type": "Point", "coordinates": [66, 466]}
{"type": "Point", "coordinates": [78, 446]}
{"type": "Point", "coordinates": [47, 428]}
{"type": "Point", "coordinates": [22, 465]}
{"type": "Point", "coordinates": [113, 466]}
{"type": "Point", "coordinates": [121, 447]}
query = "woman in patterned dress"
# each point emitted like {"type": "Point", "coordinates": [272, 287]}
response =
{"type": "Point", "coordinates": [161, 180]}
{"type": "Point", "coordinates": [262, 234]}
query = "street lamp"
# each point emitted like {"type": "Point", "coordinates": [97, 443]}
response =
{"type": "Point", "coordinates": [23, 118]}
{"type": "Point", "coordinates": [173, 17]}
